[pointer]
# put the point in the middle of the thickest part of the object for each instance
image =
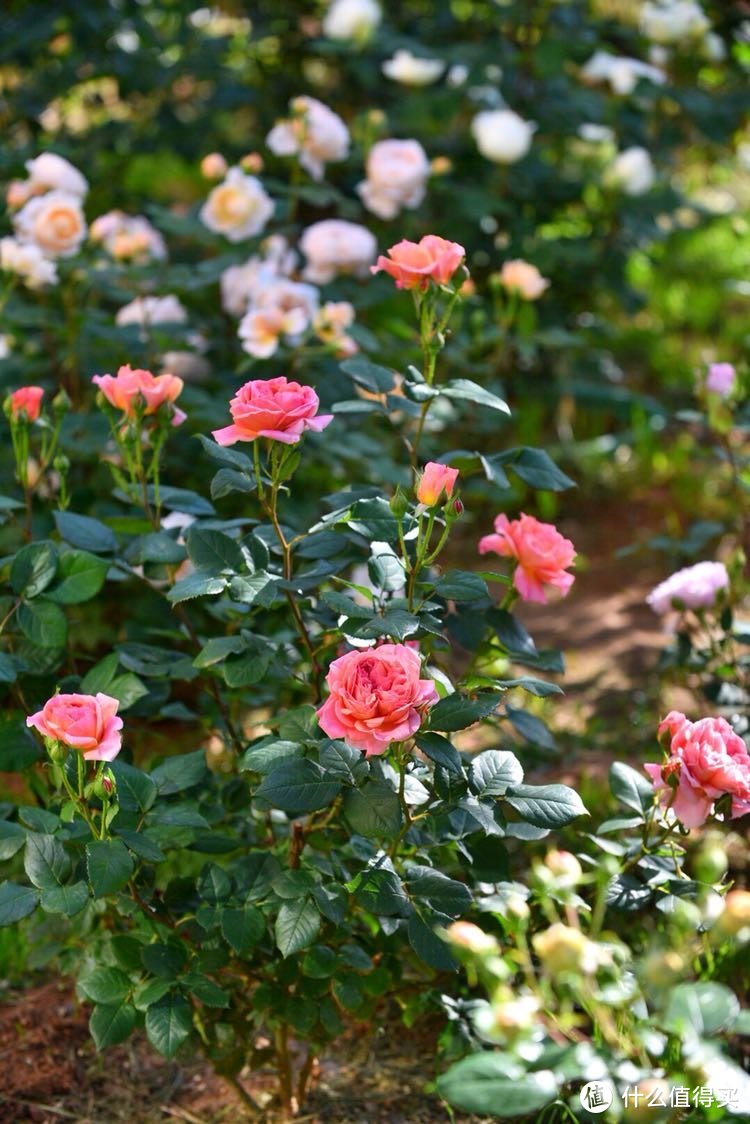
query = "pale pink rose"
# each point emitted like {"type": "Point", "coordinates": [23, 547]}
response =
{"type": "Point", "coordinates": [238, 208]}
{"type": "Point", "coordinates": [396, 172]}
{"type": "Point", "coordinates": [334, 246]}
{"type": "Point", "coordinates": [50, 172]}
{"type": "Point", "coordinates": [132, 390]}
{"type": "Point", "coordinates": [721, 378]}
{"type": "Point", "coordinates": [523, 278]}
{"type": "Point", "coordinates": [88, 723]}
{"type": "Point", "coordinates": [708, 760]}
{"type": "Point", "coordinates": [54, 222]}
{"type": "Point", "coordinates": [289, 295]}
{"type": "Point", "coordinates": [542, 553]}
{"type": "Point", "coordinates": [261, 329]}
{"type": "Point", "coordinates": [376, 697]}
{"type": "Point", "coordinates": [242, 284]}
{"type": "Point", "coordinates": [436, 483]}
{"type": "Point", "coordinates": [314, 133]}
{"type": "Point", "coordinates": [147, 311]}
{"type": "Point", "coordinates": [17, 193]}
{"type": "Point", "coordinates": [128, 237]}
{"type": "Point", "coordinates": [273, 408]}
{"type": "Point", "coordinates": [694, 587]}
{"type": "Point", "coordinates": [413, 265]}
{"type": "Point", "coordinates": [26, 402]}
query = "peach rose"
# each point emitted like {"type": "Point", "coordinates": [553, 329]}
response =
{"type": "Point", "coordinates": [128, 237]}
{"type": "Point", "coordinates": [396, 171]}
{"type": "Point", "coordinates": [88, 723]}
{"type": "Point", "coordinates": [436, 483]}
{"type": "Point", "coordinates": [273, 408]}
{"type": "Point", "coordinates": [709, 760]}
{"type": "Point", "coordinates": [54, 222]}
{"type": "Point", "coordinates": [523, 278]}
{"type": "Point", "coordinates": [261, 329]}
{"type": "Point", "coordinates": [26, 402]}
{"type": "Point", "coordinates": [542, 553]}
{"type": "Point", "coordinates": [414, 264]}
{"type": "Point", "coordinates": [134, 389]}
{"type": "Point", "coordinates": [334, 246]}
{"type": "Point", "coordinates": [376, 697]}
{"type": "Point", "coordinates": [238, 208]}
{"type": "Point", "coordinates": [214, 166]}
{"type": "Point", "coordinates": [27, 261]}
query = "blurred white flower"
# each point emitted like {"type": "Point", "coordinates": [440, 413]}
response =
{"type": "Point", "coordinates": [696, 587]}
{"type": "Point", "coordinates": [330, 326]}
{"type": "Point", "coordinates": [621, 73]}
{"type": "Point", "coordinates": [314, 133]}
{"type": "Point", "coordinates": [241, 284]}
{"type": "Point", "coordinates": [27, 261]}
{"type": "Point", "coordinates": [457, 75]}
{"type": "Point", "coordinates": [351, 19]}
{"type": "Point", "coordinates": [186, 365]}
{"type": "Point", "coordinates": [397, 172]}
{"type": "Point", "coordinates": [238, 208]}
{"type": "Point", "coordinates": [411, 70]}
{"type": "Point", "coordinates": [632, 171]}
{"type": "Point", "coordinates": [288, 295]}
{"type": "Point", "coordinates": [713, 47]}
{"type": "Point", "coordinates": [128, 237]}
{"type": "Point", "coordinates": [50, 172]}
{"type": "Point", "coordinates": [501, 135]}
{"type": "Point", "coordinates": [672, 21]}
{"type": "Point", "coordinates": [5, 347]}
{"type": "Point", "coordinates": [334, 246]}
{"type": "Point", "coordinates": [145, 311]}
{"type": "Point", "coordinates": [596, 134]}
{"type": "Point", "coordinates": [54, 221]}
{"type": "Point", "coordinates": [261, 329]}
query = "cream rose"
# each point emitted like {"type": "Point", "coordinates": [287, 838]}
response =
{"type": "Point", "coordinates": [502, 136]}
{"type": "Point", "coordinates": [314, 133]}
{"type": "Point", "coordinates": [397, 172]}
{"type": "Point", "coordinates": [334, 246]}
{"type": "Point", "coordinates": [410, 70]}
{"type": "Point", "coordinates": [50, 172]}
{"type": "Point", "coordinates": [632, 171]}
{"type": "Point", "coordinates": [238, 208]}
{"type": "Point", "coordinates": [27, 261]}
{"type": "Point", "coordinates": [351, 19]}
{"type": "Point", "coordinates": [54, 222]}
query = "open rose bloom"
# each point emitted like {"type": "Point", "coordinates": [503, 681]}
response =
{"type": "Point", "coordinates": [706, 761]}
{"type": "Point", "coordinates": [542, 553]}
{"type": "Point", "coordinates": [273, 408]}
{"type": "Point", "coordinates": [413, 265]}
{"type": "Point", "coordinates": [376, 697]}
{"type": "Point", "coordinates": [26, 402]}
{"type": "Point", "coordinates": [134, 389]}
{"type": "Point", "coordinates": [87, 723]}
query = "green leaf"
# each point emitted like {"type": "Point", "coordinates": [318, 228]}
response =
{"type": "Point", "coordinates": [440, 750]}
{"type": "Point", "coordinates": [136, 791]}
{"type": "Point", "coordinates": [462, 585]}
{"type": "Point", "coordinates": [468, 391]}
{"type": "Point", "coordinates": [33, 568]}
{"type": "Point", "coordinates": [141, 845]}
{"type": "Point", "coordinates": [213, 551]}
{"type": "Point", "coordinates": [182, 499]}
{"type": "Point", "coordinates": [127, 689]}
{"type": "Point", "coordinates": [337, 759]}
{"type": "Point", "coordinates": [493, 772]}
{"type": "Point", "coordinates": [196, 585]}
{"type": "Point", "coordinates": [206, 990]}
{"type": "Point", "coordinates": [46, 862]}
{"type": "Point", "coordinates": [16, 902]}
{"type": "Point", "coordinates": [214, 884]}
{"type": "Point", "coordinates": [85, 533]}
{"type": "Point", "coordinates": [297, 787]}
{"type": "Point", "coordinates": [456, 712]}
{"type": "Point", "coordinates": [105, 985]}
{"type": "Point", "coordinates": [428, 945]}
{"type": "Point", "coordinates": [8, 668]}
{"type": "Point", "coordinates": [444, 895]}
{"type": "Point", "coordinates": [530, 727]}
{"type": "Point", "coordinates": [535, 467]}
{"type": "Point", "coordinates": [702, 1008]}
{"type": "Point", "coordinates": [297, 926]}
{"type": "Point", "coordinates": [180, 772]}
{"type": "Point", "coordinates": [373, 519]}
{"type": "Point", "coordinates": [378, 380]}
{"type": "Point", "coordinates": [382, 892]}
{"type": "Point", "coordinates": [43, 623]}
{"type": "Point", "coordinates": [348, 992]}
{"type": "Point", "coordinates": [157, 547]}
{"type": "Point", "coordinates": [549, 805]}
{"type": "Point", "coordinates": [320, 962]}
{"type": "Point", "coordinates": [111, 1024]}
{"type": "Point", "coordinates": [109, 866]}
{"type": "Point", "coordinates": [631, 788]}
{"type": "Point", "coordinates": [12, 839]}
{"type": "Point", "coordinates": [81, 576]}
{"type": "Point", "coordinates": [68, 900]}
{"type": "Point", "coordinates": [291, 884]}
{"type": "Point", "coordinates": [242, 928]}
{"type": "Point", "coordinates": [373, 811]}
{"type": "Point", "coordinates": [168, 1024]}
{"type": "Point", "coordinates": [165, 959]}
{"type": "Point", "coordinates": [490, 1083]}
{"type": "Point", "coordinates": [150, 992]}
{"type": "Point", "coordinates": [18, 747]}
{"type": "Point", "coordinates": [268, 754]}
{"type": "Point", "coordinates": [538, 687]}
{"type": "Point", "coordinates": [217, 649]}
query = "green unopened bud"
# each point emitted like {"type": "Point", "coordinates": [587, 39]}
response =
{"type": "Point", "coordinates": [105, 786]}
{"type": "Point", "coordinates": [711, 862]}
{"type": "Point", "coordinates": [399, 504]}
{"type": "Point", "coordinates": [61, 463]}
{"type": "Point", "coordinates": [57, 751]}
{"type": "Point", "coordinates": [61, 403]}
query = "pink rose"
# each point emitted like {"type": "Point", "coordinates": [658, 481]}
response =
{"type": "Point", "coordinates": [694, 587]}
{"type": "Point", "coordinates": [396, 172]}
{"type": "Point", "coordinates": [436, 483]}
{"type": "Point", "coordinates": [132, 389]}
{"type": "Point", "coordinates": [376, 697]}
{"type": "Point", "coordinates": [721, 378]}
{"type": "Point", "coordinates": [88, 723]}
{"type": "Point", "coordinates": [26, 402]}
{"type": "Point", "coordinates": [542, 553]}
{"type": "Point", "coordinates": [414, 264]}
{"type": "Point", "coordinates": [274, 408]}
{"type": "Point", "coordinates": [708, 760]}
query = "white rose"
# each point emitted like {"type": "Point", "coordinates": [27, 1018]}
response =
{"type": "Point", "coordinates": [241, 284]}
{"type": "Point", "coordinates": [502, 135]}
{"type": "Point", "coordinates": [632, 171]}
{"type": "Point", "coordinates": [314, 133]}
{"type": "Point", "coordinates": [621, 73]}
{"type": "Point", "coordinates": [27, 261]}
{"type": "Point", "coordinates": [410, 70]}
{"type": "Point", "coordinates": [397, 172]}
{"type": "Point", "coordinates": [152, 310]}
{"type": "Point", "coordinates": [334, 246]}
{"type": "Point", "coordinates": [596, 134]}
{"type": "Point", "coordinates": [351, 19]}
{"type": "Point", "coordinates": [288, 296]}
{"type": "Point", "coordinates": [54, 221]}
{"type": "Point", "coordinates": [238, 208]}
{"type": "Point", "coordinates": [670, 21]}
{"type": "Point", "coordinates": [50, 172]}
